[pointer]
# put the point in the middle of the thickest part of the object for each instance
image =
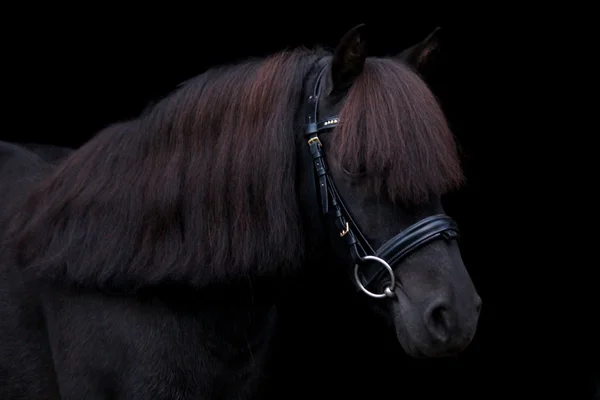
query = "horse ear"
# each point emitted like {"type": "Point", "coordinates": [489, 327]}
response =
{"type": "Point", "coordinates": [348, 59]}
{"type": "Point", "coordinates": [419, 55]}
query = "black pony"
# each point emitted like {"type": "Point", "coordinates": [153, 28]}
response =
{"type": "Point", "coordinates": [151, 262]}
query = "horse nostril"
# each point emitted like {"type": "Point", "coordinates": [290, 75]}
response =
{"type": "Point", "coordinates": [437, 321]}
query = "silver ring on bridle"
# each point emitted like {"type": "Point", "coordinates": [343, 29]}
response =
{"type": "Point", "coordinates": [389, 290]}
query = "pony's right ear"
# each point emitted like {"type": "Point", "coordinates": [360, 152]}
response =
{"type": "Point", "coordinates": [349, 59]}
{"type": "Point", "coordinates": [420, 55]}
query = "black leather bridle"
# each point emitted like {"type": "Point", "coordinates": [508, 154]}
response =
{"type": "Point", "coordinates": [391, 253]}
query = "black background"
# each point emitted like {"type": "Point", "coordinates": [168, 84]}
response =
{"type": "Point", "coordinates": [69, 72]}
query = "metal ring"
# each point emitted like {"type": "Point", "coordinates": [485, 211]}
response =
{"type": "Point", "coordinates": [389, 291]}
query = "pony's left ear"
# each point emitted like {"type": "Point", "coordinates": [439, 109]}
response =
{"type": "Point", "coordinates": [348, 59]}
{"type": "Point", "coordinates": [419, 56]}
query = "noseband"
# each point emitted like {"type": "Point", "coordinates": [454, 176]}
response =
{"type": "Point", "coordinates": [367, 259]}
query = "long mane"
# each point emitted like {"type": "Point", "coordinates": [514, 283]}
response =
{"type": "Point", "coordinates": [198, 189]}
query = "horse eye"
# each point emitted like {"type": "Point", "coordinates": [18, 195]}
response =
{"type": "Point", "coordinates": [356, 172]}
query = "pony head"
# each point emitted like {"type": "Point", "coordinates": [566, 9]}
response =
{"type": "Point", "coordinates": [382, 157]}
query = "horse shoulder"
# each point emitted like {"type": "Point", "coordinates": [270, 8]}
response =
{"type": "Point", "coordinates": [107, 344]}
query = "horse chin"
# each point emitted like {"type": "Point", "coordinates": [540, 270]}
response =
{"type": "Point", "coordinates": [409, 347]}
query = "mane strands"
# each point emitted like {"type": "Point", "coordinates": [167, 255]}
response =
{"type": "Point", "coordinates": [394, 132]}
{"type": "Point", "coordinates": [199, 189]}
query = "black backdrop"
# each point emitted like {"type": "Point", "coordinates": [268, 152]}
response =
{"type": "Point", "coordinates": [69, 72]}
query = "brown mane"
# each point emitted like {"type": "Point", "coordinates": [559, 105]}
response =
{"type": "Point", "coordinates": [403, 140]}
{"type": "Point", "coordinates": [200, 188]}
